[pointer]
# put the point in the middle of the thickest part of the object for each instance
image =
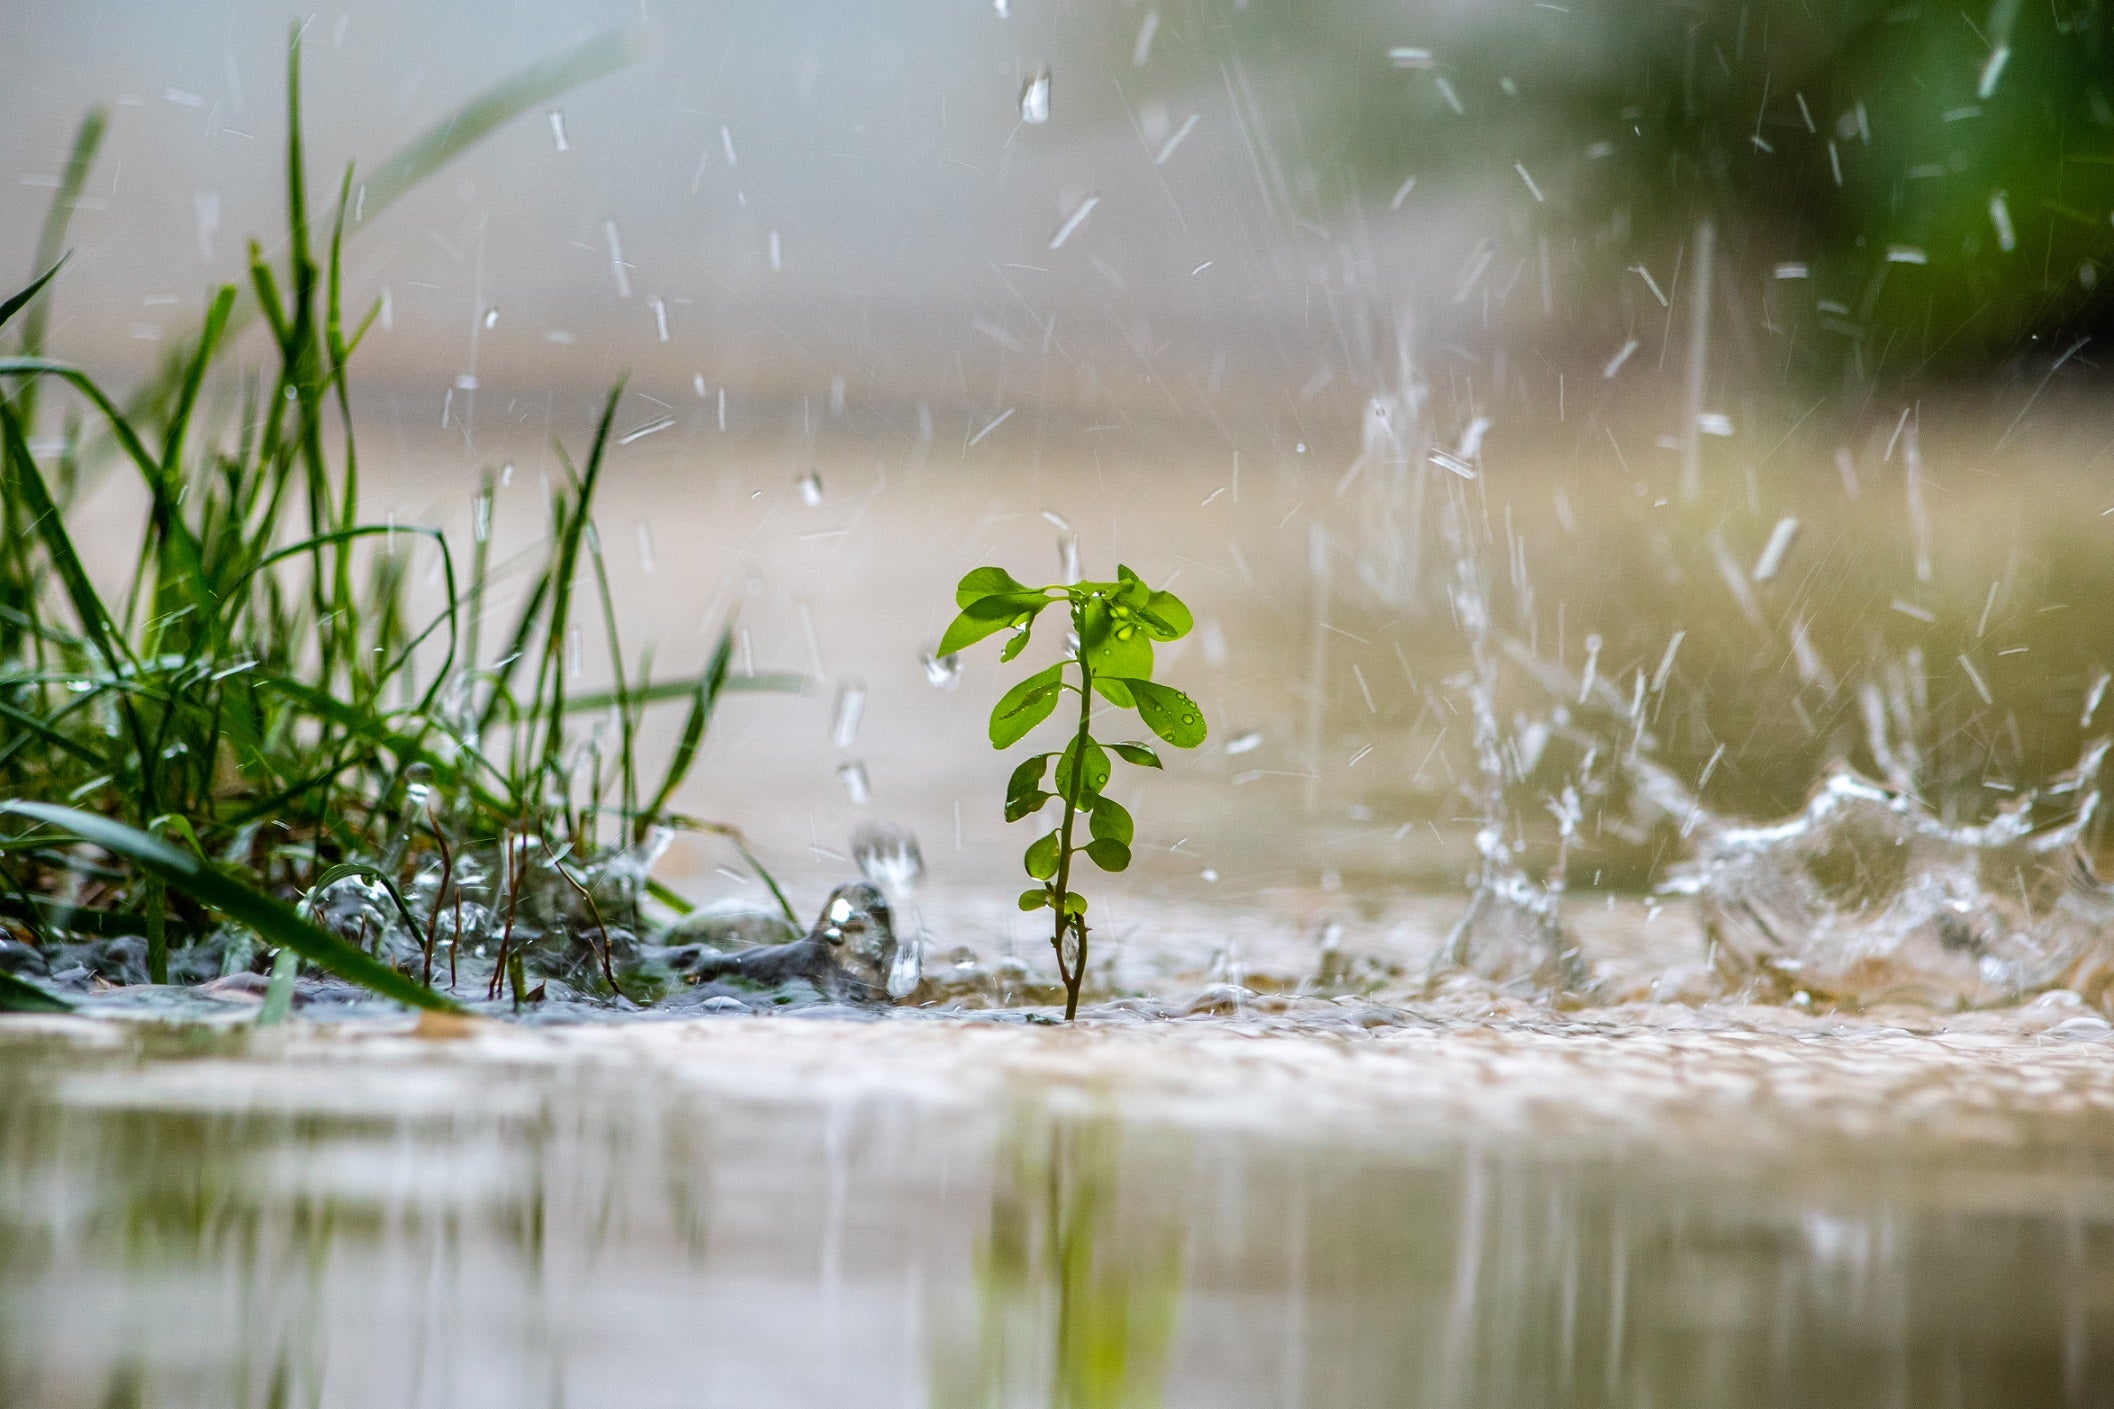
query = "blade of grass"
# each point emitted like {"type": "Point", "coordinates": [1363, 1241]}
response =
{"type": "Point", "coordinates": [702, 703]}
{"type": "Point", "coordinates": [19, 995]}
{"type": "Point", "coordinates": [51, 240]}
{"type": "Point", "coordinates": [27, 484]}
{"type": "Point", "coordinates": [593, 58]}
{"type": "Point", "coordinates": [279, 994]}
{"type": "Point", "coordinates": [274, 921]}
{"type": "Point", "coordinates": [14, 305]}
{"type": "Point", "coordinates": [454, 134]}
{"type": "Point", "coordinates": [662, 691]}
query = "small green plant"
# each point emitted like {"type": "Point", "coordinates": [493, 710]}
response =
{"type": "Point", "coordinates": [268, 708]}
{"type": "Point", "coordinates": [1113, 627]}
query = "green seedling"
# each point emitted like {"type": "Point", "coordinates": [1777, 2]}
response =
{"type": "Point", "coordinates": [1113, 627]}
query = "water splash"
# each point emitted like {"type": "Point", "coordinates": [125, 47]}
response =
{"type": "Point", "coordinates": [1867, 897]}
{"type": "Point", "coordinates": [888, 855]}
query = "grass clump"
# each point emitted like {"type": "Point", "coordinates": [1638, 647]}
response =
{"type": "Point", "coordinates": [1113, 627]}
{"type": "Point", "coordinates": [259, 745]}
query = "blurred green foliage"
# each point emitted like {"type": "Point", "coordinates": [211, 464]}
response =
{"type": "Point", "coordinates": [1945, 176]}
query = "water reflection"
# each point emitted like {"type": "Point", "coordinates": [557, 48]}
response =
{"type": "Point", "coordinates": [1077, 1281]}
{"type": "Point", "coordinates": [749, 1220]}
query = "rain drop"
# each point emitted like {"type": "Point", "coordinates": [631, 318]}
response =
{"type": "Point", "coordinates": [1035, 99]}
{"type": "Point", "coordinates": [942, 672]}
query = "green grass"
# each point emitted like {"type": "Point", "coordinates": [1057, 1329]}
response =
{"type": "Point", "coordinates": [260, 715]}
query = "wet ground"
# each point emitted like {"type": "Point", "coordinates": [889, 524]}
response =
{"type": "Point", "coordinates": [1466, 1199]}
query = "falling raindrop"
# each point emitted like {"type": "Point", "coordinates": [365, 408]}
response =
{"type": "Point", "coordinates": [811, 489]}
{"type": "Point", "coordinates": [853, 776]}
{"type": "Point", "coordinates": [1035, 99]}
{"type": "Point", "coordinates": [1068, 558]}
{"type": "Point", "coordinates": [943, 672]}
{"type": "Point", "coordinates": [851, 705]}
{"type": "Point", "coordinates": [491, 318]}
{"type": "Point", "coordinates": [1244, 743]}
{"type": "Point", "coordinates": [558, 131]}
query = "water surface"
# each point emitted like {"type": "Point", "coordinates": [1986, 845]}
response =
{"type": "Point", "coordinates": [1333, 1203]}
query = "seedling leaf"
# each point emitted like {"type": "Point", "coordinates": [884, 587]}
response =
{"type": "Point", "coordinates": [1098, 770]}
{"type": "Point", "coordinates": [988, 616]}
{"type": "Point", "coordinates": [1169, 713]}
{"type": "Point", "coordinates": [1166, 616]}
{"type": "Point", "coordinates": [1108, 855]}
{"type": "Point", "coordinates": [1111, 822]}
{"type": "Point", "coordinates": [984, 582]}
{"type": "Point", "coordinates": [1025, 706]}
{"type": "Point", "coordinates": [1041, 857]}
{"type": "Point", "coordinates": [1138, 754]}
{"type": "Point", "coordinates": [1024, 794]}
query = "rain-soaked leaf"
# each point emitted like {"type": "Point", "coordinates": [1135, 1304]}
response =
{"type": "Point", "coordinates": [1024, 794]}
{"type": "Point", "coordinates": [1169, 713]}
{"type": "Point", "coordinates": [1137, 754]}
{"type": "Point", "coordinates": [1108, 855]}
{"type": "Point", "coordinates": [986, 617]}
{"type": "Point", "coordinates": [1096, 774]}
{"type": "Point", "coordinates": [1166, 616]}
{"type": "Point", "coordinates": [1025, 706]}
{"type": "Point", "coordinates": [980, 583]}
{"type": "Point", "coordinates": [1111, 822]}
{"type": "Point", "coordinates": [1041, 856]}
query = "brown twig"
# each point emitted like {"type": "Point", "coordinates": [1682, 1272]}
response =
{"type": "Point", "coordinates": [447, 874]}
{"type": "Point", "coordinates": [513, 895]}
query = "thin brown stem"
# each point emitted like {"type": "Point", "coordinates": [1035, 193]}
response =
{"type": "Point", "coordinates": [594, 912]}
{"type": "Point", "coordinates": [513, 895]}
{"type": "Point", "coordinates": [447, 874]}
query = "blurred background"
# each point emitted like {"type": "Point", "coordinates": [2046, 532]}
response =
{"type": "Point", "coordinates": [1741, 359]}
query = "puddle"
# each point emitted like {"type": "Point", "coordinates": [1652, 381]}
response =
{"type": "Point", "coordinates": [1657, 1205]}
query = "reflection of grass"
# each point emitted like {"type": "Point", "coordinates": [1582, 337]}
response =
{"type": "Point", "coordinates": [259, 713]}
{"type": "Point", "coordinates": [1076, 1291]}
